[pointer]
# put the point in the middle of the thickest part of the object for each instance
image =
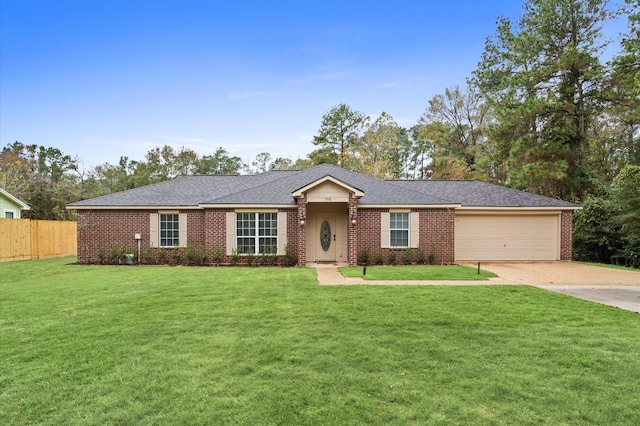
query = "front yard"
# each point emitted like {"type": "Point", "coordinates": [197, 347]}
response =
{"type": "Point", "coordinates": [176, 345]}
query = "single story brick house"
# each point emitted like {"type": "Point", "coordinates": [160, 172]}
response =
{"type": "Point", "coordinates": [328, 214]}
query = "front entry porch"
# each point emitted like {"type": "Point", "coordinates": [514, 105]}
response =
{"type": "Point", "coordinates": [327, 233]}
{"type": "Point", "coordinates": [328, 211]}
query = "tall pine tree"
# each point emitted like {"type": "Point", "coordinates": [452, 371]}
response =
{"type": "Point", "coordinates": [542, 77]}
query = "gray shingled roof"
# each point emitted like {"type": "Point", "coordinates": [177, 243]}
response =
{"type": "Point", "coordinates": [276, 188]}
{"type": "Point", "coordinates": [376, 192]}
{"type": "Point", "coordinates": [184, 191]}
{"type": "Point", "coordinates": [471, 193]}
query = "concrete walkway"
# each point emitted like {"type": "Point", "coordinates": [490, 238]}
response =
{"type": "Point", "coordinates": [330, 275]}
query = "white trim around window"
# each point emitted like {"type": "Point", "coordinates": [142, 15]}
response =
{"type": "Point", "coordinates": [257, 231]}
{"type": "Point", "coordinates": [399, 229]}
{"type": "Point", "coordinates": [10, 214]}
{"type": "Point", "coordinates": [168, 229]}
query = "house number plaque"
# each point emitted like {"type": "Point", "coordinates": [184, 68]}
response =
{"type": "Point", "coordinates": [325, 235]}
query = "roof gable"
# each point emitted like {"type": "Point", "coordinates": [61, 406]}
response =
{"type": "Point", "coordinates": [14, 200]}
{"type": "Point", "coordinates": [320, 182]}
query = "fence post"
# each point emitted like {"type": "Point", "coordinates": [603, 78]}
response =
{"type": "Point", "coordinates": [35, 252]}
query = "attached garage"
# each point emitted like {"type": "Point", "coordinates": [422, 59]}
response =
{"type": "Point", "coordinates": [504, 236]}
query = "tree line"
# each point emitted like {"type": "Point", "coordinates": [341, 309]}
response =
{"type": "Point", "coordinates": [541, 113]}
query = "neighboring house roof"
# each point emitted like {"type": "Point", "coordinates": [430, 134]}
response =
{"type": "Point", "coordinates": [15, 200]}
{"type": "Point", "coordinates": [278, 187]}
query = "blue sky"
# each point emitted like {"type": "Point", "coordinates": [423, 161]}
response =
{"type": "Point", "coordinates": [99, 79]}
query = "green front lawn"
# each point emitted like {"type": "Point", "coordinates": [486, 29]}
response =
{"type": "Point", "coordinates": [421, 273]}
{"type": "Point", "coordinates": [259, 346]}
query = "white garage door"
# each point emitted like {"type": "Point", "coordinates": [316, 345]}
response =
{"type": "Point", "coordinates": [507, 237]}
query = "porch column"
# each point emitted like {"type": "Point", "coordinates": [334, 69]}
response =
{"type": "Point", "coordinates": [301, 250]}
{"type": "Point", "coordinates": [352, 228]}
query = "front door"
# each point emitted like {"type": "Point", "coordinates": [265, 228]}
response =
{"type": "Point", "coordinates": [326, 237]}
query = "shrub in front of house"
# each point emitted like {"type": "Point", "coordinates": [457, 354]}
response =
{"type": "Point", "coordinates": [291, 256]}
{"type": "Point", "coordinates": [363, 257]}
{"type": "Point", "coordinates": [392, 257]}
{"type": "Point", "coordinates": [379, 257]}
{"type": "Point", "coordinates": [407, 256]}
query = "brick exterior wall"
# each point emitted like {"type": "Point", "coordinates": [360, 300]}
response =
{"type": "Point", "coordinates": [437, 228]}
{"type": "Point", "coordinates": [301, 249]}
{"type": "Point", "coordinates": [215, 228]}
{"type": "Point", "coordinates": [293, 232]}
{"type": "Point", "coordinates": [437, 234]}
{"type": "Point", "coordinates": [566, 235]}
{"type": "Point", "coordinates": [101, 233]}
{"type": "Point", "coordinates": [105, 234]}
{"type": "Point", "coordinates": [352, 230]}
{"type": "Point", "coordinates": [368, 232]}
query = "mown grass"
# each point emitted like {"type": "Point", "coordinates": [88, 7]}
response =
{"type": "Point", "coordinates": [419, 273]}
{"type": "Point", "coordinates": [608, 265]}
{"type": "Point", "coordinates": [171, 345]}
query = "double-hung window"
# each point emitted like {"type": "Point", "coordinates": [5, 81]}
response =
{"type": "Point", "coordinates": [169, 230]}
{"type": "Point", "coordinates": [257, 233]}
{"type": "Point", "coordinates": [399, 229]}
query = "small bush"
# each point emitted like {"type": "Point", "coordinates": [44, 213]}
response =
{"type": "Point", "coordinates": [250, 258]}
{"type": "Point", "coordinates": [203, 256]}
{"type": "Point", "coordinates": [363, 257]}
{"type": "Point", "coordinates": [234, 257]}
{"type": "Point", "coordinates": [160, 256]}
{"type": "Point", "coordinates": [407, 256]}
{"type": "Point", "coordinates": [379, 259]}
{"type": "Point", "coordinates": [148, 256]}
{"type": "Point", "coordinates": [175, 256]}
{"type": "Point", "coordinates": [432, 255]}
{"type": "Point", "coordinates": [115, 253]}
{"type": "Point", "coordinates": [190, 255]}
{"type": "Point", "coordinates": [268, 257]}
{"type": "Point", "coordinates": [391, 257]}
{"type": "Point", "coordinates": [218, 255]}
{"type": "Point", "coordinates": [291, 256]}
{"type": "Point", "coordinates": [420, 256]}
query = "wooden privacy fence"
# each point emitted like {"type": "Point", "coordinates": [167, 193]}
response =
{"type": "Point", "coordinates": [37, 239]}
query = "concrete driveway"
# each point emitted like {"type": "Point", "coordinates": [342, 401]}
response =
{"type": "Point", "coordinates": [612, 287]}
